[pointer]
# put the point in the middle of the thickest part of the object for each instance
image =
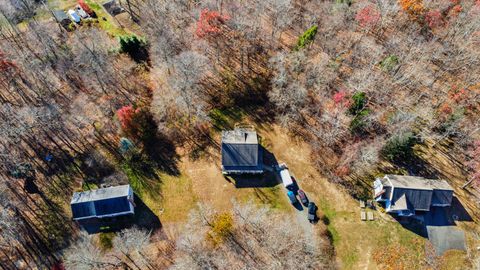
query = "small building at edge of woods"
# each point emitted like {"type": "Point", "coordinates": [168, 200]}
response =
{"type": "Point", "coordinates": [103, 203]}
{"type": "Point", "coordinates": [61, 17]}
{"type": "Point", "coordinates": [405, 195]}
{"type": "Point", "coordinates": [241, 152]}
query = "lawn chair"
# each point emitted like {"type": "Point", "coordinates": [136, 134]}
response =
{"type": "Point", "coordinates": [362, 204]}
{"type": "Point", "coordinates": [370, 216]}
{"type": "Point", "coordinates": [363, 215]}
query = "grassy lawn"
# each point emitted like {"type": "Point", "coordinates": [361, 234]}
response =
{"type": "Point", "coordinates": [177, 199]}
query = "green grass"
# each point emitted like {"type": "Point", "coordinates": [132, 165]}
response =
{"type": "Point", "coordinates": [89, 186]}
{"type": "Point", "coordinates": [329, 216]}
{"type": "Point", "coordinates": [107, 25]}
{"type": "Point", "coordinates": [106, 240]}
{"type": "Point", "coordinates": [225, 118]}
{"type": "Point", "coordinates": [272, 196]}
{"type": "Point", "coordinates": [350, 258]}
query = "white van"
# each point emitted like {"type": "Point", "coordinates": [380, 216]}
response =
{"type": "Point", "coordinates": [285, 176]}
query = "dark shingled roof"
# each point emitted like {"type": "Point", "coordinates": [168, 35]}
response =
{"type": "Point", "coordinates": [240, 150]}
{"type": "Point", "coordinates": [416, 199]}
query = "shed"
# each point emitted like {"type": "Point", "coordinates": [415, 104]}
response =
{"type": "Point", "coordinates": [103, 203]}
{"type": "Point", "coordinates": [406, 194]}
{"type": "Point", "coordinates": [241, 153]}
{"type": "Point", "coordinates": [61, 17]}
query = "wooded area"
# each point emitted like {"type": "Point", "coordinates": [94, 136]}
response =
{"type": "Point", "coordinates": [374, 87]}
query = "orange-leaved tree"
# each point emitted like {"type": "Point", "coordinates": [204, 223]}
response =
{"type": "Point", "coordinates": [413, 7]}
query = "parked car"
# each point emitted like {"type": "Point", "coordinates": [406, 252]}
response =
{"type": "Point", "coordinates": [292, 197]}
{"type": "Point", "coordinates": [312, 212]}
{"type": "Point", "coordinates": [79, 10]}
{"type": "Point", "coordinates": [73, 15]}
{"type": "Point", "coordinates": [303, 197]}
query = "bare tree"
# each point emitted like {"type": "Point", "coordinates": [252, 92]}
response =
{"type": "Point", "coordinates": [132, 243]}
{"type": "Point", "coordinates": [256, 239]}
{"type": "Point", "coordinates": [84, 254]}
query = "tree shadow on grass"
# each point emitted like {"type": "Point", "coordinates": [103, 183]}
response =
{"type": "Point", "coordinates": [411, 161]}
{"type": "Point", "coordinates": [143, 218]}
{"type": "Point", "coordinates": [162, 151]}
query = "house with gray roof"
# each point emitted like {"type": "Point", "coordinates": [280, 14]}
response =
{"type": "Point", "coordinates": [404, 195]}
{"type": "Point", "coordinates": [241, 152]}
{"type": "Point", "coordinates": [103, 203]}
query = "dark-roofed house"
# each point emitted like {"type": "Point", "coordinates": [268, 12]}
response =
{"type": "Point", "coordinates": [404, 195]}
{"type": "Point", "coordinates": [61, 17]}
{"type": "Point", "coordinates": [241, 153]}
{"type": "Point", "coordinates": [102, 203]}
{"type": "Point", "coordinates": [113, 7]}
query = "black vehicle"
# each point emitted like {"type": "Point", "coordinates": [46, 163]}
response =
{"type": "Point", "coordinates": [312, 212]}
{"type": "Point", "coordinates": [303, 197]}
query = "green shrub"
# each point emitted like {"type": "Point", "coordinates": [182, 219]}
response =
{"type": "Point", "coordinates": [306, 38]}
{"type": "Point", "coordinates": [71, 26]}
{"type": "Point", "coordinates": [106, 240]}
{"type": "Point", "coordinates": [359, 103]}
{"type": "Point", "coordinates": [135, 47]}
{"type": "Point", "coordinates": [389, 63]}
{"type": "Point", "coordinates": [400, 147]}
{"type": "Point", "coordinates": [359, 123]}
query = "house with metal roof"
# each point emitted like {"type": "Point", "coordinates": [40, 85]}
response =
{"type": "Point", "coordinates": [241, 152]}
{"type": "Point", "coordinates": [103, 203]}
{"type": "Point", "coordinates": [404, 195]}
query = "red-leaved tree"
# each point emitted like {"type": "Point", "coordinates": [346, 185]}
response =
{"type": "Point", "coordinates": [368, 16]}
{"type": "Point", "coordinates": [210, 23]}
{"type": "Point", "coordinates": [125, 116]}
{"type": "Point", "coordinates": [457, 9]}
{"type": "Point", "coordinates": [6, 64]}
{"type": "Point", "coordinates": [434, 19]}
{"type": "Point", "coordinates": [341, 99]}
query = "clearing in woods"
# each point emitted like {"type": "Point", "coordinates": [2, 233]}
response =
{"type": "Point", "coordinates": [354, 241]}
